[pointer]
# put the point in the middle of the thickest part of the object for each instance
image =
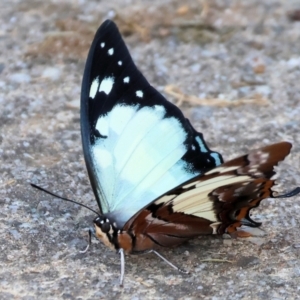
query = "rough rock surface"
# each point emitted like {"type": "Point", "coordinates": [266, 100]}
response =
{"type": "Point", "coordinates": [213, 50]}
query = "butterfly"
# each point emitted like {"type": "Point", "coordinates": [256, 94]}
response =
{"type": "Point", "coordinates": [156, 182]}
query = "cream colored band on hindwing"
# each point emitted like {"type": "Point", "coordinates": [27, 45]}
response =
{"type": "Point", "coordinates": [197, 201]}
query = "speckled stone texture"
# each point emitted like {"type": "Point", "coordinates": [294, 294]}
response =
{"type": "Point", "coordinates": [218, 50]}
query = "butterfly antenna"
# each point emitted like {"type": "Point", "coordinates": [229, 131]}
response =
{"type": "Point", "coordinates": [290, 194]}
{"type": "Point", "coordinates": [63, 198]}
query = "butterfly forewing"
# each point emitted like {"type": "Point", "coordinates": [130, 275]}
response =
{"type": "Point", "coordinates": [136, 144]}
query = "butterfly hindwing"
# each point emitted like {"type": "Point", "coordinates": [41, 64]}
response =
{"type": "Point", "coordinates": [217, 202]}
{"type": "Point", "coordinates": [136, 144]}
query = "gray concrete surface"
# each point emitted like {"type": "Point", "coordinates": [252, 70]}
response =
{"type": "Point", "coordinates": [231, 50]}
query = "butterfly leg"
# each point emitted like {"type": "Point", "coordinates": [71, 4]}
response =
{"type": "Point", "coordinates": [168, 262]}
{"type": "Point", "coordinates": [89, 242]}
{"type": "Point", "coordinates": [122, 257]}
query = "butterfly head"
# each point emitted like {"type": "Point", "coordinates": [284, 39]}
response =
{"type": "Point", "coordinates": [106, 231]}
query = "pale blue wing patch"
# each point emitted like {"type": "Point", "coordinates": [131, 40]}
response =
{"type": "Point", "coordinates": [201, 145]}
{"type": "Point", "coordinates": [138, 157]}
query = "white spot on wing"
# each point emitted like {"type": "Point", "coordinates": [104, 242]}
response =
{"type": "Point", "coordinates": [126, 79]}
{"type": "Point", "coordinates": [139, 94]}
{"type": "Point", "coordinates": [94, 88]}
{"type": "Point", "coordinates": [102, 45]}
{"type": "Point", "coordinates": [258, 174]}
{"type": "Point", "coordinates": [102, 126]}
{"type": "Point", "coordinates": [120, 63]}
{"type": "Point", "coordinates": [106, 85]}
{"type": "Point", "coordinates": [110, 51]}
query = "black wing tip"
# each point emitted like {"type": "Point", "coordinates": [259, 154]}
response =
{"type": "Point", "coordinates": [107, 25]}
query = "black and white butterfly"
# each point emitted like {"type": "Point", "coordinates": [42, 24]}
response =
{"type": "Point", "coordinates": [156, 182]}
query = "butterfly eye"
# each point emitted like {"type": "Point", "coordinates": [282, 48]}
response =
{"type": "Point", "coordinates": [105, 227]}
